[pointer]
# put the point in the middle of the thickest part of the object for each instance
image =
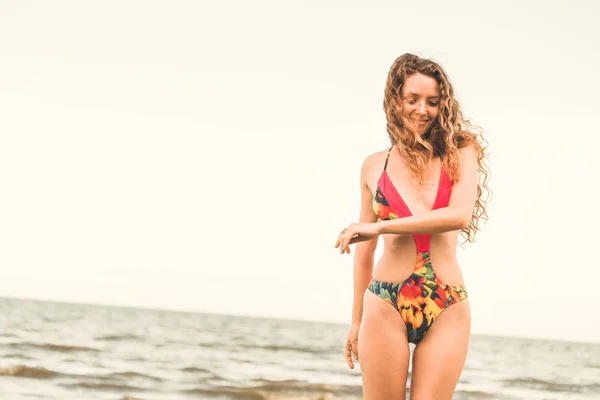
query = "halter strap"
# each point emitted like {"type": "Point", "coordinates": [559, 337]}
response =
{"type": "Point", "coordinates": [387, 158]}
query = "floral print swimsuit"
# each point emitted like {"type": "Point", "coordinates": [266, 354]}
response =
{"type": "Point", "coordinates": [422, 297]}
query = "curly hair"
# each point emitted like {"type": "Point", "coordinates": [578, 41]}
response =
{"type": "Point", "coordinates": [449, 132]}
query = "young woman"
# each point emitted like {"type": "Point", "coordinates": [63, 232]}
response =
{"type": "Point", "coordinates": [419, 194]}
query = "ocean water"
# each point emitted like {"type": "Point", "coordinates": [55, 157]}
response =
{"type": "Point", "coordinates": [72, 351]}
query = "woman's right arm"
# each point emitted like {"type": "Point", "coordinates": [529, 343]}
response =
{"type": "Point", "coordinates": [364, 255]}
{"type": "Point", "coordinates": [364, 258]}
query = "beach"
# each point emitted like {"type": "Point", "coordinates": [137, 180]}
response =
{"type": "Point", "coordinates": [54, 350]}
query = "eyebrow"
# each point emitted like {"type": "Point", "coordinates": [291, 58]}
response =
{"type": "Point", "coordinates": [415, 94]}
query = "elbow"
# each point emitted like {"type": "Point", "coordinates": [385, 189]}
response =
{"type": "Point", "coordinates": [463, 225]}
{"type": "Point", "coordinates": [460, 217]}
{"type": "Point", "coordinates": [463, 221]}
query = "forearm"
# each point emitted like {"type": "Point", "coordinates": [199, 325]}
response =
{"type": "Point", "coordinates": [436, 221]}
{"type": "Point", "coordinates": [363, 272]}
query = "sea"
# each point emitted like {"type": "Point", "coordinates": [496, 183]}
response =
{"type": "Point", "coordinates": [51, 350]}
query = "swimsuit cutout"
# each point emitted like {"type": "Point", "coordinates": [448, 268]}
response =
{"type": "Point", "coordinates": [422, 297]}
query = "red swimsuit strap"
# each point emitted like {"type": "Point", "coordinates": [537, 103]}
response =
{"type": "Point", "coordinates": [396, 202]}
{"type": "Point", "coordinates": [442, 199]}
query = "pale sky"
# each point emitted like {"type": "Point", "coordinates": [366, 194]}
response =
{"type": "Point", "coordinates": [203, 156]}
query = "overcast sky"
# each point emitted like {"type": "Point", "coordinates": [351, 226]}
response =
{"type": "Point", "coordinates": [203, 156]}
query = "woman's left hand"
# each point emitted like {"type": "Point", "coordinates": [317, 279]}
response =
{"type": "Point", "coordinates": [354, 233]}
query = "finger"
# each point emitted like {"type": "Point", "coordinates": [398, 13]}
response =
{"type": "Point", "coordinates": [355, 350]}
{"type": "Point", "coordinates": [343, 244]}
{"type": "Point", "coordinates": [340, 240]}
{"type": "Point", "coordinates": [349, 357]}
{"type": "Point", "coordinates": [347, 242]}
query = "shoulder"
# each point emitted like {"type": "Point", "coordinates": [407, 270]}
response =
{"type": "Point", "coordinates": [469, 150]}
{"type": "Point", "coordinates": [372, 167]}
{"type": "Point", "coordinates": [469, 155]}
{"type": "Point", "coordinates": [375, 160]}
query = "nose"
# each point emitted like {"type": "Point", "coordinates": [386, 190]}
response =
{"type": "Point", "coordinates": [421, 108]}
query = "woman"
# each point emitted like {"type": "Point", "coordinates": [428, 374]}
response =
{"type": "Point", "coordinates": [419, 194]}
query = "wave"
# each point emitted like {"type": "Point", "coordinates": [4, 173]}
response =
{"type": "Point", "coordinates": [23, 371]}
{"type": "Point", "coordinates": [19, 356]}
{"type": "Point", "coordinates": [133, 375]}
{"type": "Point", "coordinates": [474, 394]}
{"type": "Point", "coordinates": [257, 394]}
{"type": "Point", "coordinates": [112, 338]}
{"type": "Point", "coordinates": [312, 350]}
{"type": "Point", "coordinates": [269, 347]}
{"type": "Point", "coordinates": [196, 369]}
{"type": "Point", "coordinates": [231, 393]}
{"type": "Point", "coordinates": [266, 389]}
{"type": "Point", "coordinates": [53, 347]}
{"type": "Point", "coordinates": [539, 384]}
{"type": "Point", "coordinates": [303, 387]}
{"type": "Point", "coordinates": [103, 386]}
{"type": "Point", "coordinates": [212, 345]}
{"type": "Point", "coordinates": [242, 360]}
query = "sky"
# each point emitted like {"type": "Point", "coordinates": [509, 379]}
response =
{"type": "Point", "coordinates": [203, 156]}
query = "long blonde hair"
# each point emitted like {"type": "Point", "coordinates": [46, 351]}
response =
{"type": "Point", "coordinates": [449, 132]}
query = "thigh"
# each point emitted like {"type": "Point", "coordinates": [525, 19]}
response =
{"type": "Point", "coordinates": [439, 358]}
{"type": "Point", "coordinates": [383, 351]}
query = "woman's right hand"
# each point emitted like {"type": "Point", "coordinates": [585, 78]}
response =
{"type": "Point", "coordinates": [352, 344]}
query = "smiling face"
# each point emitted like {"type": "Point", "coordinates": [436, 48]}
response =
{"type": "Point", "coordinates": [420, 102]}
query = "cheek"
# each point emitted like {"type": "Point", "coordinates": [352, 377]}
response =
{"type": "Point", "coordinates": [408, 109]}
{"type": "Point", "coordinates": [404, 112]}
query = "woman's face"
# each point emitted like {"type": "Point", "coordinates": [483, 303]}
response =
{"type": "Point", "coordinates": [420, 102]}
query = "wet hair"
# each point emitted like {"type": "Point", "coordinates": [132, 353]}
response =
{"type": "Point", "coordinates": [448, 133]}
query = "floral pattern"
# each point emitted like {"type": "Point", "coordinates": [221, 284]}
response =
{"type": "Point", "coordinates": [382, 208]}
{"type": "Point", "coordinates": [421, 298]}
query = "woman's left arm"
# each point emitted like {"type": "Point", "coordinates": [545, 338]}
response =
{"type": "Point", "coordinates": [460, 207]}
{"type": "Point", "coordinates": [456, 216]}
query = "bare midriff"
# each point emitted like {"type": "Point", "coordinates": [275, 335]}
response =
{"type": "Point", "coordinates": [400, 257]}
